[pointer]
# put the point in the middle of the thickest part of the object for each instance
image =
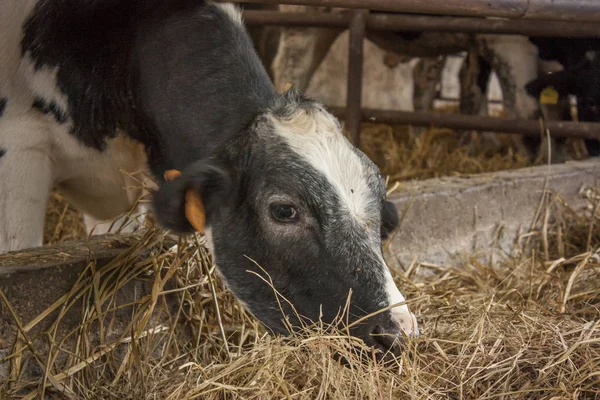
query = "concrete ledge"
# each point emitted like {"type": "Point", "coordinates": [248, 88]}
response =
{"type": "Point", "coordinates": [480, 214]}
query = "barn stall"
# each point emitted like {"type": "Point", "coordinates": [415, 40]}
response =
{"type": "Point", "coordinates": [497, 256]}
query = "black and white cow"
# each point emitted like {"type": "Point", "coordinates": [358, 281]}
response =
{"type": "Point", "coordinates": [516, 60]}
{"type": "Point", "coordinates": [513, 58]}
{"type": "Point", "coordinates": [575, 72]}
{"type": "Point", "coordinates": [580, 77]}
{"type": "Point", "coordinates": [89, 90]}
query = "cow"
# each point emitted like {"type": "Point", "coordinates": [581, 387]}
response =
{"type": "Point", "coordinates": [579, 77]}
{"type": "Point", "coordinates": [92, 93]}
{"type": "Point", "coordinates": [514, 59]}
{"type": "Point", "coordinates": [303, 50]}
{"type": "Point", "coordinates": [565, 64]}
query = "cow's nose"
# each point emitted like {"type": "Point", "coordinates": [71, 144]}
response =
{"type": "Point", "coordinates": [383, 334]}
{"type": "Point", "coordinates": [406, 321]}
{"type": "Point", "coordinates": [387, 339]}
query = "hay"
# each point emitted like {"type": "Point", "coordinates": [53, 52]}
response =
{"type": "Point", "coordinates": [62, 222]}
{"type": "Point", "coordinates": [526, 327]}
{"type": "Point", "coordinates": [402, 155]}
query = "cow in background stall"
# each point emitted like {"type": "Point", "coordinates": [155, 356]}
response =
{"type": "Point", "coordinates": [579, 76]}
{"type": "Point", "coordinates": [513, 58]}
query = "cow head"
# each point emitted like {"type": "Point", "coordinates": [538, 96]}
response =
{"type": "Point", "coordinates": [291, 200]}
{"type": "Point", "coordinates": [582, 81]}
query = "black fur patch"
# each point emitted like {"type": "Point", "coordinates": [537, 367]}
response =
{"type": "Point", "coordinates": [179, 76]}
{"type": "Point", "coordinates": [569, 52]}
{"type": "Point", "coordinates": [2, 152]}
{"type": "Point", "coordinates": [198, 81]}
{"type": "Point", "coordinates": [2, 106]}
{"type": "Point", "coordinates": [50, 108]}
{"type": "Point", "coordinates": [90, 45]}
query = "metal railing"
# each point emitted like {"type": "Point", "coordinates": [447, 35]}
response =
{"type": "Point", "coordinates": [559, 18]}
{"type": "Point", "coordinates": [576, 10]}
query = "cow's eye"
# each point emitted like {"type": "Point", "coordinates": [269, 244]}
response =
{"type": "Point", "coordinates": [283, 212]}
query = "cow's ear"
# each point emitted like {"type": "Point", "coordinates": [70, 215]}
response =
{"type": "Point", "coordinates": [389, 219]}
{"type": "Point", "coordinates": [183, 199]}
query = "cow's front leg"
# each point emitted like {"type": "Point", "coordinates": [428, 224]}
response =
{"type": "Point", "coordinates": [25, 181]}
{"type": "Point", "coordinates": [515, 61]}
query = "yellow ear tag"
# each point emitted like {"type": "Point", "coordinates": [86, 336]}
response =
{"type": "Point", "coordinates": [194, 208]}
{"type": "Point", "coordinates": [549, 96]}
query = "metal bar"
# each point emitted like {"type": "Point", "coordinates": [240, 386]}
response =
{"type": "Point", "coordinates": [355, 74]}
{"type": "Point", "coordinates": [584, 130]}
{"type": "Point", "coordinates": [573, 10]}
{"type": "Point", "coordinates": [418, 23]}
{"type": "Point", "coordinates": [457, 100]}
{"type": "Point", "coordinates": [316, 19]}
{"type": "Point", "coordinates": [564, 10]}
{"type": "Point", "coordinates": [495, 8]}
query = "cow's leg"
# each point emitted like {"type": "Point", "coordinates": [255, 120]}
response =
{"type": "Point", "coordinates": [25, 181]}
{"type": "Point", "coordinates": [427, 75]}
{"type": "Point", "coordinates": [514, 59]}
{"type": "Point", "coordinates": [558, 146]}
{"type": "Point", "coordinates": [474, 79]}
{"type": "Point", "coordinates": [300, 52]}
{"type": "Point", "coordinates": [561, 111]}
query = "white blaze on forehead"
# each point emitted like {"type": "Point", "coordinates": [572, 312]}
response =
{"type": "Point", "coordinates": [316, 136]}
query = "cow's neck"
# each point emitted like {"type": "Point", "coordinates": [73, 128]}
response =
{"type": "Point", "coordinates": [198, 82]}
{"type": "Point", "coordinates": [163, 72]}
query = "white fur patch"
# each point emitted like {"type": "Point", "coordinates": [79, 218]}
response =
{"type": "Point", "coordinates": [42, 83]}
{"type": "Point", "coordinates": [400, 314]}
{"type": "Point", "coordinates": [316, 136]}
{"type": "Point", "coordinates": [210, 244]}
{"type": "Point", "coordinates": [232, 11]}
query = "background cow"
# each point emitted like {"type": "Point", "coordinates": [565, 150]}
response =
{"type": "Point", "coordinates": [92, 90]}
{"type": "Point", "coordinates": [513, 58]}
{"type": "Point", "coordinates": [579, 77]}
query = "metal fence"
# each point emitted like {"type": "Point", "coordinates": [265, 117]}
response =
{"type": "Point", "coordinates": [559, 18]}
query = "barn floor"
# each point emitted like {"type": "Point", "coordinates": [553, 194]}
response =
{"type": "Point", "coordinates": [525, 327]}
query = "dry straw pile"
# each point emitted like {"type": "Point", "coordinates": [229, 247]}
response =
{"type": "Point", "coordinates": [524, 328]}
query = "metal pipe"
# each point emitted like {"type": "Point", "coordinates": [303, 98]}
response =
{"type": "Point", "coordinates": [355, 74]}
{"type": "Point", "coordinates": [495, 8]}
{"type": "Point", "coordinates": [418, 23]}
{"type": "Point", "coordinates": [564, 10]}
{"type": "Point", "coordinates": [583, 130]}
{"type": "Point", "coordinates": [574, 10]}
